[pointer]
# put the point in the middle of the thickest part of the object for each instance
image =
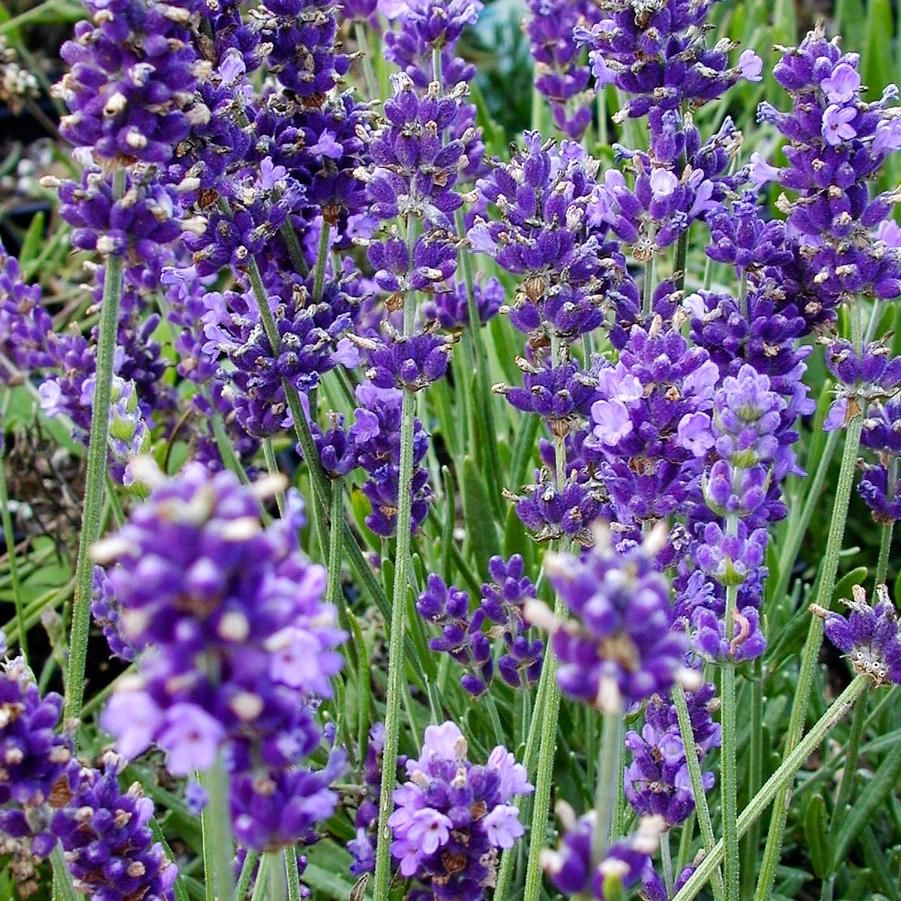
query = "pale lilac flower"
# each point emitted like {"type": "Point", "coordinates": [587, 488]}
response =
{"type": "Point", "coordinates": [751, 66]}
{"type": "Point", "coordinates": [503, 826]}
{"type": "Point", "coordinates": [134, 718]}
{"type": "Point", "coordinates": [611, 421]}
{"type": "Point", "coordinates": [762, 172]}
{"type": "Point", "coordinates": [190, 739]}
{"type": "Point", "coordinates": [842, 85]}
{"type": "Point", "coordinates": [837, 125]}
{"type": "Point", "coordinates": [663, 183]}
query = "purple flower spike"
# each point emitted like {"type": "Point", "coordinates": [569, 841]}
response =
{"type": "Point", "coordinates": [870, 636]}
{"type": "Point", "coordinates": [617, 647]}
{"type": "Point", "coordinates": [657, 780]}
{"type": "Point", "coordinates": [570, 867]}
{"type": "Point", "coordinates": [198, 579]}
{"type": "Point", "coordinates": [453, 817]}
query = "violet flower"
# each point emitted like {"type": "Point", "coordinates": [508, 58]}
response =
{"type": "Point", "coordinates": [870, 636]}
{"type": "Point", "coordinates": [452, 818]}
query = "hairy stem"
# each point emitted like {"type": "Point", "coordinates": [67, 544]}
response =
{"type": "Point", "coordinates": [95, 476]}
{"type": "Point", "coordinates": [605, 791]}
{"type": "Point", "coordinates": [10, 539]}
{"type": "Point", "coordinates": [218, 849]}
{"type": "Point", "coordinates": [697, 783]}
{"type": "Point", "coordinates": [729, 784]}
{"type": "Point", "coordinates": [396, 656]}
{"type": "Point", "coordinates": [811, 650]}
{"type": "Point", "coordinates": [781, 778]}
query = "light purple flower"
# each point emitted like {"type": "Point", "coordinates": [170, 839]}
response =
{"type": "Point", "coordinates": [761, 172]}
{"type": "Point", "coordinates": [327, 146]}
{"type": "Point", "coordinates": [663, 183]}
{"type": "Point", "coordinates": [751, 66]}
{"type": "Point", "coordinates": [503, 826]}
{"type": "Point", "coordinates": [270, 174]}
{"type": "Point", "coordinates": [837, 125]}
{"type": "Point", "coordinates": [611, 421]}
{"type": "Point", "coordinates": [842, 85]}
{"type": "Point", "coordinates": [133, 718]}
{"type": "Point", "coordinates": [190, 739]}
{"type": "Point", "coordinates": [695, 433]}
{"type": "Point", "coordinates": [889, 232]}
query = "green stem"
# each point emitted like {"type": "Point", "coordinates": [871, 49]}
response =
{"type": "Point", "coordinates": [885, 546]}
{"type": "Point", "coordinates": [729, 785]}
{"type": "Point", "coordinates": [545, 771]}
{"type": "Point", "coordinates": [218, 849]}
{"type": "Point", "coordinates": [277, 874]}
{"type": "Point", "coordinates": [697, 783]}
{"type": "Point", "coordinates": [63, 889]}
{"type": "Point", "coordinates": [261, 883]}
{"type": "Point", "coordinates": [811, 650]}
{"type": "Point", "coordinates": [885, 538]}
{"type": "Point", "coordinates": [852, 753]}
{"type": "Point", "coordinates": [95, 476]}
{"type": "Point", "coordinates": [505, 872]}
{"type": "Point", "coordinates": [681, 260]}
{"type": "Point", "coordinates": [10, 539]}
{"type": "Point", "coordinates": [272, 467]}
{"type": "Point", "coordinates": [292, 873]}
{"type": "Point", "coordinates": [755, 777]}
{"type": "Point", "coordinates": [372, 82]}
{"type": "Point", "coordinates": [250, 861]}
{"type": "Point", "coordinates": [605, 791]}
{"type": "Point", "coordinates": [396, 661]}
{"type": "Point", "coordinates": [666, 862]}
{"type": "Point", "coordinates": [325, 234]}
{"type": "Point", "coordinates": [781, 778]}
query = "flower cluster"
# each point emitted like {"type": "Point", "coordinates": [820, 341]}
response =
{"type": "Point", "coordinates": [233, 631]}
{"type": "Point", "coordinates": [870, 635]}
{"type": "Point", "coordinates": [47, 797]}
{"type": "Point", "coordinates": [453, 817]}
{"type": "Point", "coordinates": [464, 636]}
{"type": "Point", "coordinates": [131, 81]}
{"type": "Point", "coordinates": [879, 482]}
{"type": "Point", "coordinates": [617, 646]}
{"type": "Point", "coordinates": [657, 781]}
{"type": "Point", "coordinates": [561, 73]}
{"type": "Point", "coordinates": [838, 143]}
{"type": "Point", "coordinates": [657, 52]}
{"type": "Point", "coordinates": [574, 872]}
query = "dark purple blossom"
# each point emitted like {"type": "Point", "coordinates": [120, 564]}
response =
{"type": "Point", "coordinates": [657, 781]}
{"type": "Point", "coordinates": [572, 870]}
{"type": "Point", "coordinates": [131, 82]}
{"type": "Point", "coordinates": [107, 840]}
{"type": "Point", "coordinates": [869, 635]}
{"type": "Point", "coordinates": [615, 647]}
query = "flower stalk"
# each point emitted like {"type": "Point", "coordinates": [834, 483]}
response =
{"type": "Point", "coordinates": [95, 476]}
{"type": "Point", "coordinates": [811, 651]}
{"type": "Point", "coordinates": [396, 655]}
{"type": "Point", "coordinates": [778, 782]}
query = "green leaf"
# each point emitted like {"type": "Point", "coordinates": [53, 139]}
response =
{"type": "Point", "coordinates": [870, 799]}
{"type": "Point", "coordinates": [31, 244]}
{"type": "Point", "coordinates": [477, 511]}
{"type": "Point", "coordinates": [877, 65]}
{"type": "Point", "coordinates": [844, 585]}
{"type": "Point", "coordinates": [816, 833]}
{"type": "Point", "coordinates": [516, 540]}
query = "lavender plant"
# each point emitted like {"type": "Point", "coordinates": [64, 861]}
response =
{"type": "Point", "coordinates": [399, 505]}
